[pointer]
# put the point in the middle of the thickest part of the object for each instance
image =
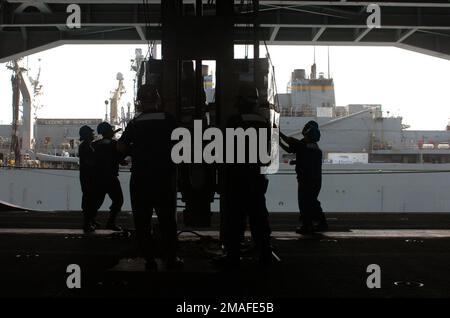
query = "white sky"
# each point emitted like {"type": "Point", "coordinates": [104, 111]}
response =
{"type": "Point", "coordinates": [78, 79]}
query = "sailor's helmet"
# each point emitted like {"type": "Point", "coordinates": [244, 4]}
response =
{"type": "Point", "coordinates": [86, 132]}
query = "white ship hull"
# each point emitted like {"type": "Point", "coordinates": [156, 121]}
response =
{"type": "Point", "coordinates": [346, 188]}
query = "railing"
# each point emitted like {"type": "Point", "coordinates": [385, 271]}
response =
{"type": "Point", "coordinates": [296, 113]}
{"type": "Point", "coordinates": [408, 146]}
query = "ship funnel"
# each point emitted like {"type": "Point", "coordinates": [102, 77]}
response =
{"type": "Point", "coordinates": [298, 74]}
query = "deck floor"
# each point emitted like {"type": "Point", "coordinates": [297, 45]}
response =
{"type": "Point", "coordinates": [413, 252]}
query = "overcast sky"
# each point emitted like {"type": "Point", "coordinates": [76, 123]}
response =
{"type": "Point", "coordinates": [77, 79]}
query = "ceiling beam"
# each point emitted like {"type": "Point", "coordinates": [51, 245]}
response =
{"type": "Point", "coordinates": [132, 15]}
{"type": "Point", "coordinates": [141, 32]}
{"type": "Point", "coordinates": [341, 3]}
{"type": "Point", "coordinates": [57, 43]}
{"type": "Point", "coordinates": [318, 33]}
{"type": "Point", "coordinates": [41, 6]}
{"type": "Point", "coordinates": [274, 33]}
{"type": "Point", "coordinates": [305, 9]}
{"type": "Point", "coordinates": [406, 35]}
{"type": "Point", "coordinates": [361, 34]}
{"type": "Point", "coordinates": [125, 22]}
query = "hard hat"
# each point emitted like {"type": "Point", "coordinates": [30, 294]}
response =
{"type": "Point", "coordinates": [312, 123]}
{"type": "Point", "coordinates": [85, 132]}
{"type": "Point", "coordinates": [105, 128]}
{"type": "Point", "coordinates": [311, 130]}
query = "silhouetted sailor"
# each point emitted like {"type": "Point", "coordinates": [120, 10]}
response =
{"type": "Point", "coordinates": [245, 186]}
{"type": "Point", "coordinates": [107, 160]}
{"type": "Point", "coordinates": [147, 138]}
{"type": "Point", "coordinates": [309, 176]}
{"type": "Point", "coordinates": [88, 178]}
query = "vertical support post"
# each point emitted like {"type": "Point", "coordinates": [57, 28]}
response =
{"type": "Point", "coordinates": [171, 65]}
{"type": "Point", "coordinates": [198, 69]}
{"type": "Point", "coordinates": [198, 88]}
{"type": "Point", "coordinates": [224, 65]}
{"type": "Point", "coordinates": [198, 8]}
{"type": "Point", "coordinates": [256, 64]}
{"type": "Point", "coordinates": [224, 89]}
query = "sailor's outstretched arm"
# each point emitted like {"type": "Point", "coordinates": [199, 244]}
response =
{"type": "Point", "coordinates": [283, 136]}
{"type": "Point", "coordinates": [287, 143]}
{"type": "Point", "coordinates": [284, 147]}
{"type": "Point", "coordinates": [125, 141]}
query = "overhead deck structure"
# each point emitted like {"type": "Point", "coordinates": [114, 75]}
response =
{"type": "Point", "coordinates": [424, 26]}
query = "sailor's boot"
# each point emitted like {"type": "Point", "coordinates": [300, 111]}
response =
{"type": "Point", "coordinates": [111, 225]}
{"type": "Point", "coordinates": [88, 227]}
{"type": "Point", "coordinates": [322, 224]}
{"type": "Point", "coordinates": [307, 226]}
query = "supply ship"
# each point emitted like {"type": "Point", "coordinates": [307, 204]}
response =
{"type": "Point", "coordinates": [372, 161]}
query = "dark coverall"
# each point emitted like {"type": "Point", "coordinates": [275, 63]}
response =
{"type": "Point", "coordinates": [245, 189]}
{"type": "Point", "coordinates": [107, 160]}
{"type": "Point", "coordinates": [88, 181]}
{"type": "Point", "coordinates": [309, 177]}
{"type": "Point", "coordinates": [152, 183]}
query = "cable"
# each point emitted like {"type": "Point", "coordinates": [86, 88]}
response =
{"type": "Point", "coordinates": [246, 26]}
{"type": "Point", "coordinates": [146, 5]}
{"type": "Point", "coordinates": [274, 79]}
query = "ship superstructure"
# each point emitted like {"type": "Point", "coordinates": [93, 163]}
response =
{"type": "Point", "coordinates": [313, 96]}
{"type": "Point", "coordinates": [355, 133]}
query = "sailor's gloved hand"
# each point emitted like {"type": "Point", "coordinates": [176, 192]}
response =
{"type": "Point", "coordinates": [290, 140]}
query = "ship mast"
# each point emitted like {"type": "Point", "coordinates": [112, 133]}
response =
{"type": "Point", "coordinates": [329, 76]}
{"type": "Point", "coordinates": [313, 74]}
{"type": "Point", "coordinates": [37, 90]}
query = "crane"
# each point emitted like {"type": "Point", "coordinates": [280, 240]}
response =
{"type": "Point", "coordinates": [25, 90]}
{"type": "Point", "coordinates": [115, 100]}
